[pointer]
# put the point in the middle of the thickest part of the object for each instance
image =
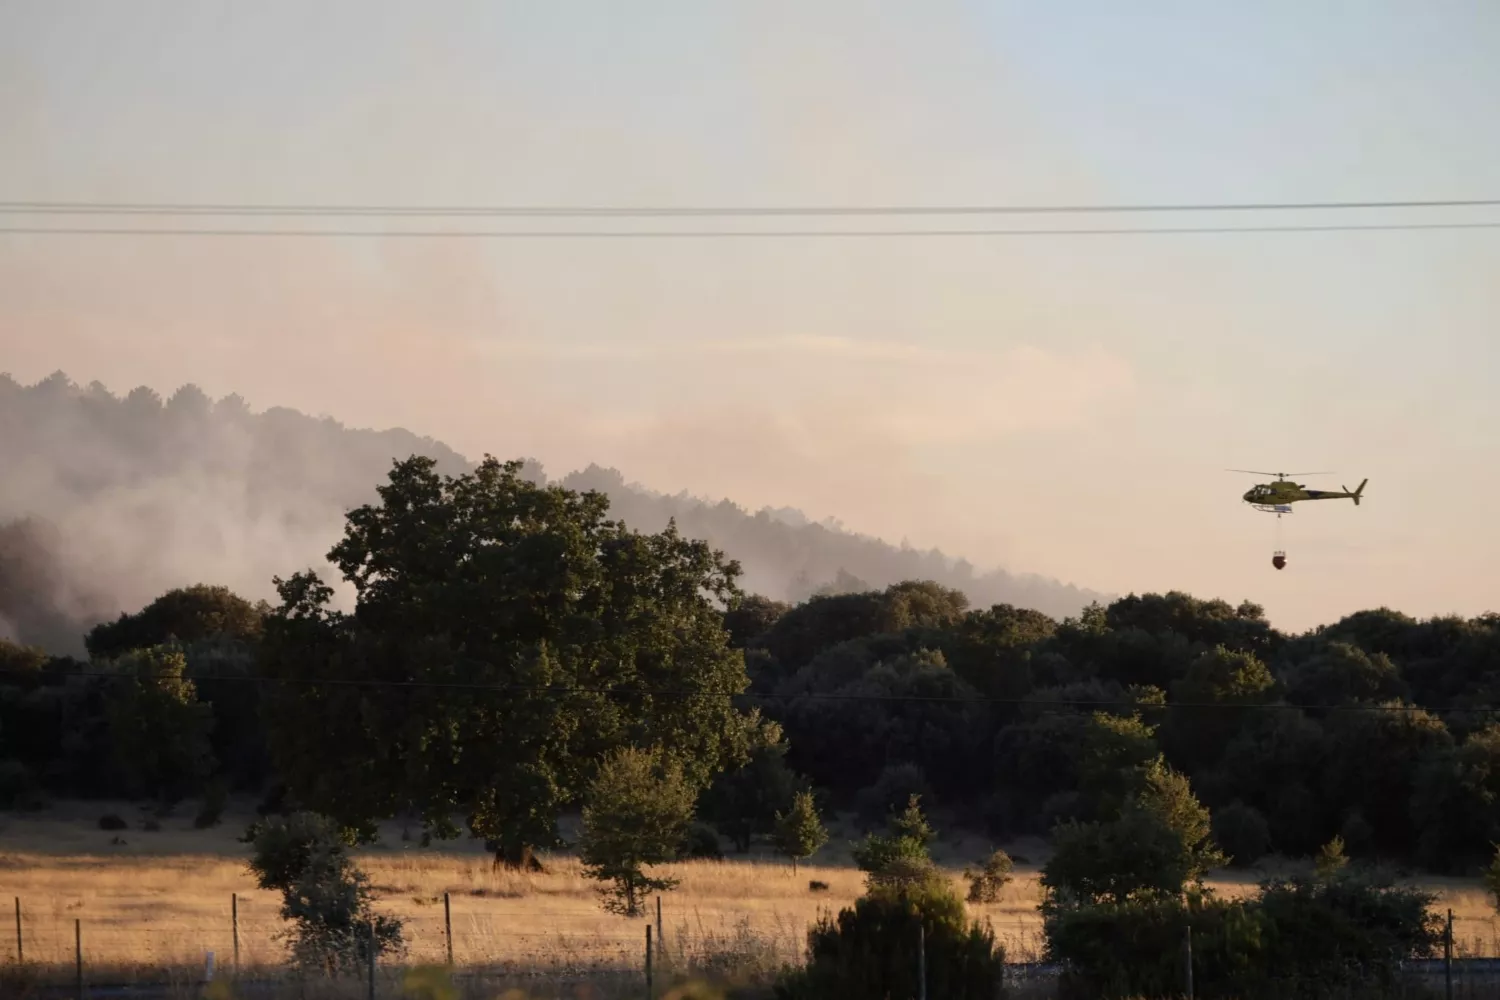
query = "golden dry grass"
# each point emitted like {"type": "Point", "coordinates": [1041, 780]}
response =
{"type": "Point", "coordinates": [163, 899]}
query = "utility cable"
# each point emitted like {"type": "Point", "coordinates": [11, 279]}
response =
{"type": "Point", "coordinates": [710, 234]}
{"type": "Point", "coordinates": [691, 211]}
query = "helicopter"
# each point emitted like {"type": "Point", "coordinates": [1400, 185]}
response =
{"type": "Point", "coordinates": [1277, 497]}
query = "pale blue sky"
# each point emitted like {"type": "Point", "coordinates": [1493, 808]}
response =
{"type": "Point", "coordinates": [1063, 406]}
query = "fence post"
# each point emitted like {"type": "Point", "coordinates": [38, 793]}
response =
{"type": "Point", "coordinates": [78, 953]}
{"type": "Point", "coordinates": [1187, 959]}
{"type": "Point", "coordinates": [234, 923]}
{"type": "Point", "coordinates": [1448, 957]}
{"type": "Point", "coordinates": [448, 927]}
{"type": "Point", "coordinates": [20, 948]}
{"type": "Point", "coordinates": [661, 939]}
{"type": "Point", "coordinates": [650, 991]}
{"type": "Point", "coordinates": [371, 959]}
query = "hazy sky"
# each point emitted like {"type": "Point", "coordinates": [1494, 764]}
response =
{"type": "Point", "coordinates": [1057, 405]}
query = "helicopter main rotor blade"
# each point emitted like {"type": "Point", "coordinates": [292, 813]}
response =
{"type": "Point", "coordinates": [1257, 472]}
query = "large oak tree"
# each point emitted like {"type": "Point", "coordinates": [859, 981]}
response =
{"type": "Point", "coordinates": [506, 637]}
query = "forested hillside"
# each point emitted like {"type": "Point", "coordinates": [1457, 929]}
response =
{"type": "Point", "coordinates": [108, 501]}
{"type": "Point", "coordinates": [1378, 728]}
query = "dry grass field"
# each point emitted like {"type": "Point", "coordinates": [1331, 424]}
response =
{"type": "Point", "coordinates": [163, 900]}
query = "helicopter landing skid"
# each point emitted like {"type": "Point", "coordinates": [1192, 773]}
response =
{"type": "Point", "coordinates": [1273, 508]}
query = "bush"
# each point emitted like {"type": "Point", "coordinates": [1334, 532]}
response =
{"type": "Point", "coordinates": [324, 895]}
{"type": "Point", "coordinates": [1134, 948]}
{"type": "Point", "coordinates": [1243, 833]}
{"type": "Point", "coordinates": [282, 849]}
{"type": "Point", "coordinates": [701, 841]}
{"type": "Point", "coordinates": [112, 822]}
{"type": "Point", "coordinates": [986, 883]}
{"type": "Point", "coordinates": [1345, 931]}
{"type": "Point", "coordinates": [1344, 936]}
{"type": "Point", "coordinates": [1093, 862]}
{"type": "Point", "coordinates": [870, 951]}
{"type": "Point", "coordinates": [907, 838]}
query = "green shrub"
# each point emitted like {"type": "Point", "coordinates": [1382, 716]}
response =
{"type": "Point", "coordinates": [869, 952]}
{"type": "Point", "coordinates": [1303, 938]}
{"type": "Point", "coordinates": [326, 898]}
{"type": "Point", "coordinates": [1346, 931]}
{"type": "Point", "coordinates": [985, 883]}
{"type": "Point", "coordinates": [1135, 948]}
{"type": "Point", "coordinates": [908, 834]}
{"type": "Point", "coordinates": [284, 848]}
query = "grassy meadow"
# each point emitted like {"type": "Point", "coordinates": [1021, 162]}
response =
{"type": "Point", "coordinates": [162, 899]}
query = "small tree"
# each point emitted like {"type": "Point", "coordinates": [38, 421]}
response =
{"type": "Point", "coordinates": [327, 898]}
{"type": "Point", "coordinates": [1136, 855]}
{"type": "Point", "coordinates": [911, 823]}
{"type": "Point", "coordinates": [1158, 844]}
{"type": "Point", "coordinates": [986, 883]}
{"type": "Point", "coordinates": [744, 802]}
{"type": "Point", "coordinates": [799, 833]}
{"type": "Point", "coordinates": [1331, 858]}
{"type": "Point", "coordinates": [637, 812]}
{"type": "Point", "coordinates": [905, 842]}
{"type": "Point", "coordinates": [869, 951]}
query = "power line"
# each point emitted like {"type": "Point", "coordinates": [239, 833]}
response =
{"type": "Point", "coordinates": [690, 211]}
{"type": "Point", "coordinates": [522, 234]}
{"type": "Point", "coordinates": [623, 691]}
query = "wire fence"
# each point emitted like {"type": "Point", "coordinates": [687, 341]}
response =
{"type": "Point", "coordinates": [64, 950]}
{"type": "Point", "coordinates": [61, 952]}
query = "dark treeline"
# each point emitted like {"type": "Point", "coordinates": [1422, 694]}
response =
{"type": "Point", "coordinates": [592, 636]}
{"type": "Point", "coordinates": [138, 493]}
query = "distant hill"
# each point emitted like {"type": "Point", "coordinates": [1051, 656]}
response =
{"type": "Point", "coordinates": [107, 501]}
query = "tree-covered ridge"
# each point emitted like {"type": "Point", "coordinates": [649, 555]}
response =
{"type": "Point", "coordinates": [110, 500]}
